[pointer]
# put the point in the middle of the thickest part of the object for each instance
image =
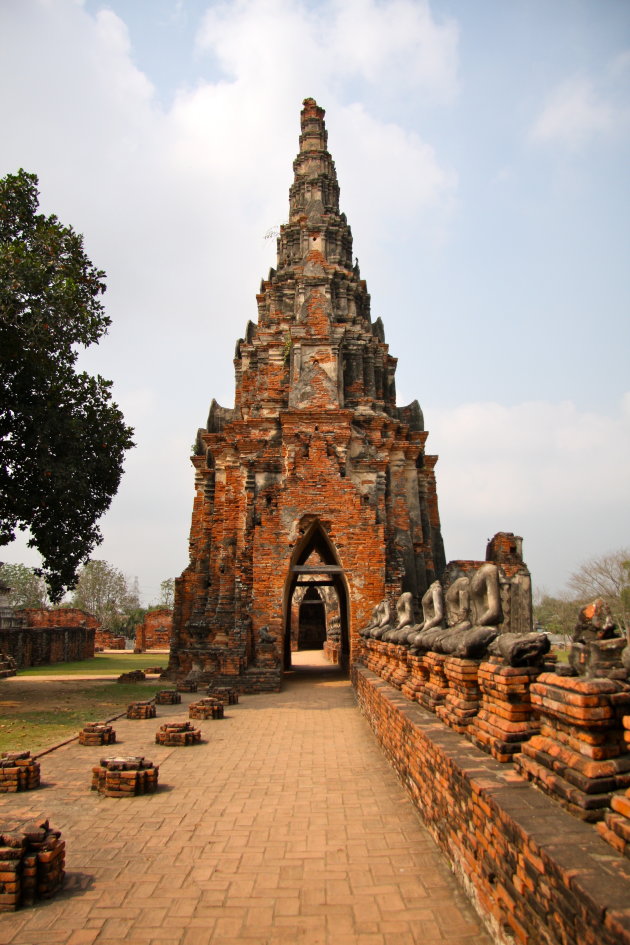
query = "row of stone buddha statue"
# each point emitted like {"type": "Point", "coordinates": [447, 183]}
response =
{"type": "Point", "coordinates": [463, 620]}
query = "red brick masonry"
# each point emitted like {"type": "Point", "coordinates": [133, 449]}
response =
{"type": "Point", "coordinates": [535, 873]}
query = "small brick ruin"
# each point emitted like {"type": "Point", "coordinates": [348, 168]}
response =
{"type": "Point", "coordinates": [32, 861]}
{"type": "Point", "coordinates": [125, 777]}
{"type": "Point", "coordinates": [224, 695]}
{"type": "Point", "coordinates": [177, 734]}
{"type": "Point", "coordinates": [314, 495]}
{"type": "Point", "coordinates": [133, 676]}
{"type": "Point", "coordinates": [141, 710]}
{"type": "Point", "coordinates": [168, 697]}
{"type": "Point", "coordinates": [97, 733]}
{"type": "Point", "coordinates": [208, 708]}
{"type": "Point", "coordinates": [154, 633]}
{"type": "Point", "coordinates": [19, 771]}
{"type": "Point", "coordinates": [580, 756]}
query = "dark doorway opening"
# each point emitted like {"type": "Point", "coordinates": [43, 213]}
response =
{"type": "Point", "coordinates": [316, 612]}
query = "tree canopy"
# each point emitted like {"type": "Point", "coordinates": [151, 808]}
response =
{"type": "Point", "coordinates": [105, 592]}
{"type": "Point", "coordinates": [27, 589]}
{"type": "Point", "coordinates": [62, 438]}
{"type": "Point", "coordinates": [606, 576]}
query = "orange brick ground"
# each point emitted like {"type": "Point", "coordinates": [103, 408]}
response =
{"type": "Point", "coordinates": [286, 826]}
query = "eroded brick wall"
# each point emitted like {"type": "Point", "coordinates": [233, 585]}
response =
{"type": "Point", "coordinates": [536, 875]}
{"type": "Point", "coordinates": [50, 636]}
{"type": "Point", "coordinates": [154, 633]}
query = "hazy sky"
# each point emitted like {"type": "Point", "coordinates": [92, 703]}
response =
{"type": "Point", "coordinates": [482, 150]}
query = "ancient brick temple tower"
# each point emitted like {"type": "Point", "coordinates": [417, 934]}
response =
{"type": "Point", "coordinates": [315, 480]}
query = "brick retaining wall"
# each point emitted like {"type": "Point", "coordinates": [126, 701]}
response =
{"type": "Point", "coordinates": [536, 874]}
{"type": "Point", "coordinates": [38, 646]}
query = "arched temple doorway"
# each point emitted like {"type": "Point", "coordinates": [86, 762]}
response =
{"type": "Point", "coordinates": [316, 610]}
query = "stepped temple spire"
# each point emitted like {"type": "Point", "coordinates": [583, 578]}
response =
{"type": "Point", "coordinates": [315, 482]}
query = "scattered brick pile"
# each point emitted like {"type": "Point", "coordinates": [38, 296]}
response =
{"type": "Point", "coordinates": [125, 777]}
{"type": "Point", "coordinates": [505, 719]}
{"type": "Point", "coordinates": [186, 685]}
{"type": "Point", "coordinates": [580, 756]}
{"type": "Point", "coordinates": [178, 733]}
{"type": "Point", "coordinates": [134, 676]}
{"type": "Point", "coordinates": [167, 697]}
{"type": "Point", "coordinates": [32, 859]}
{"type": "Point", "coordinates": [141, 710]}
{"type": "Point", "coordinates": [8, 666]}
{"type": "Point", "coordinates": [154, 670]}
{"type": "Point", "coordinates": [97, 733]}
{"type": "Point", "coordinates": [224, 695]}
{"type": "Point", "coordinates": [461, 702]}
{"type": "Point", "coordinates": [18, 772]}
{"type": "Point", "coordinates": [205, 709]}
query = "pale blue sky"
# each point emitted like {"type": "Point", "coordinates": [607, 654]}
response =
{"type": "Point", "coordinates": [482, 151]}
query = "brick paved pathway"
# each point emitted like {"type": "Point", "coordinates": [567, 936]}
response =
{"type": "Point", "coordinates": [286, 825]}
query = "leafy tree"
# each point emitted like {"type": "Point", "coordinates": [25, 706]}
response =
{"type": "Point", "coordinates": [104, 591]}
{"type": "Point", "coordinates": [28, 589]}
{"type": "Point", "coordinates": [556, 615]}
{"type": "Point", "coordinates": [62, 439]}
{"type": "Point", "coordinates": [167, 592]}
{"type": "Point", "coordinates": [606, 576]}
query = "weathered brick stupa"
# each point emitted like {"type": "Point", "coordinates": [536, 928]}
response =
{"type": "Point", "coordinates": [315, 486]}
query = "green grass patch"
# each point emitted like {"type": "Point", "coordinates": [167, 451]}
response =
{"type": "Point", "coordinates": [103, 664]}
{"type": "Point", "coordinates": [35, 729]}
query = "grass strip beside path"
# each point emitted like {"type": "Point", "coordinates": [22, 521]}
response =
{"type": "Point", "coordinates": [103, 664]}
{"type": "Point", "coordinates": [46, 721]}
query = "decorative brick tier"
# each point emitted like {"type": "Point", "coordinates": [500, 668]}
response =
{"type": "Point", "coordinates": [167, 697]}
{"type": "Point", "coordinates": [178, 733]}
{"type": "Point", "coordinates": [125, 777]}
{"type": "Point", "coordinates": [399, 661]}
{"type": "Point", "coordinates": [535, 874]}
{"type": "Point", "coordinates": [224, 695]}
{"type": "Point", "coordinates": [580, 756]}
{"type": "Point", "coordinates": [615, 827]}
{"type": "Point", "coordinates": [141, 710]}
{"type": "Point", "coordinates": [97, 733]}
{"type": "Point", "coordinates": [134, 676]}
{"type": "Point", "coordinates": [32, 860]}
{"type": "Point", "coordinates": [506, 719]}
{"type": "Point", "coordinates": [417, 679]}
{"type": "Point", "coordinates": [18, 772]}
{"type": "Point", "coordinates": [205, 709]}
{"type": "Point", "coordinates": [435, 689]}
{"type": "Point", "coordinates": [186, 685]}
{"type": "Point", "coordinates": [461, 703]}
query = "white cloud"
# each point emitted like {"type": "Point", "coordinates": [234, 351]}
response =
{"type": "Point", "coordinates": [554, 474]}
{"type": "Point", "coordinates": [582, 108]}
{"type": "Point", "coordinates": [266, 41]}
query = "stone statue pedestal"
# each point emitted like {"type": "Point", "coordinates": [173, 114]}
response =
{"type": "Point", "coordinates": [436, 688]}
{"type": "Point", "coordinates": [417, 678]}
{"type": "Point", "coordinates": [399, 659]}
{"type": "Point", "coordinates": [461, 703]}
{"type": "Point", "coordinates": [580, 757]}
{"type": "Point", "coordinates": [505, 719]}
